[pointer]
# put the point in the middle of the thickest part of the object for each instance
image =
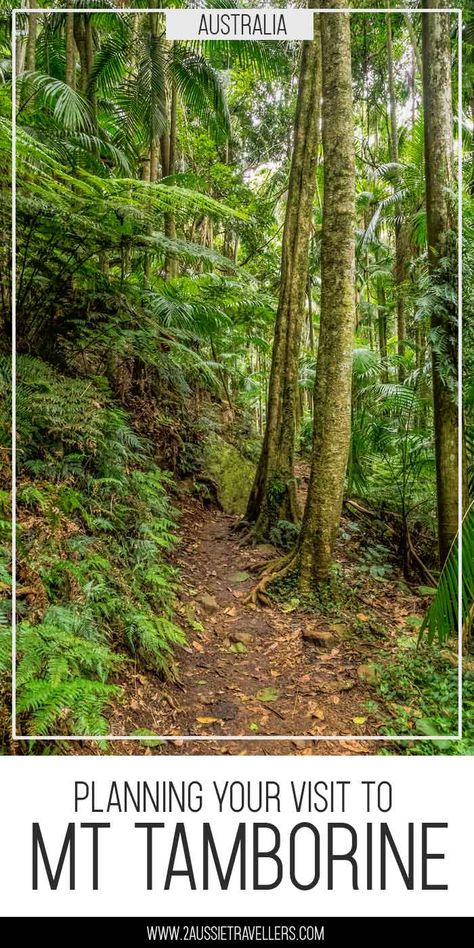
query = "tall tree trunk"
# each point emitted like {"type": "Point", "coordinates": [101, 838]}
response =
{"type": "Point", "coordinates": [154, 160]}
{"type": "Point", "coordinates": [400, 269]}
{"type": "Point", "coordinates": [382, 326]}
{"type": "Point", "coordinates": [414, 43]}
{"type": "Point", "coordinates": [170, 222]}
{"type": "Point", "coordinates": [273, 495]}
{"type": "Point", "coordinates": [437, 105]}
{"type": "Point", "coordinates": [310, 317]}
{"type": "Point", "coordinates": [70, 75]}
{"type": "Point", "coordinates": [90, 53]}
{"type": "Point", "coordinates": [80, 40]}
{"type": "Point", "coordinates": [30, 53]}
{"type": "Point", "coordinates": [332, 394]}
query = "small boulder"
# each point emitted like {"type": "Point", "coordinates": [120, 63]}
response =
{"type": "Point", "coordinates": [340, 630]}
{"type": "Point", "coordinates": [208, 603]}
{"type": "Point", "coordinates": [369, 674]}
{"type": "Point", "coordinates": [244, 637]}
{"type": "Point", "coordinates": [225, 710]}
{"type": "Point", "coordinates": [333, 687]}
{"type": "Point", "coordinates": [317, 635]}
{"type": "Point", "coordinates": [231, 473]}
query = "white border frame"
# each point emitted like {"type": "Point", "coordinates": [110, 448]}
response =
{"type": "Point", "coordinates": [224, 737]}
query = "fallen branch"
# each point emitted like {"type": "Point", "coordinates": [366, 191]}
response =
{"type": "Point", "coordinates": [418, 559]}
{"type": "Point", "coordinates": [20, 590]}
{"type": "Point", "coordinates": [274, 711]}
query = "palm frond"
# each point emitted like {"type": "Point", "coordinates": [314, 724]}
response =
{"type": "Point", "coordinates": [442, 618]}
{"type": "Point", "coordinates": [68, 107]}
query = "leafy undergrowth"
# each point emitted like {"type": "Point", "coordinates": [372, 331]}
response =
{"type": "Point", "coordinates": [95, 526]}
{"type": "Point", "coordinates": [415, 684]}
{"type": "Point", "coordinates": [421, 690]}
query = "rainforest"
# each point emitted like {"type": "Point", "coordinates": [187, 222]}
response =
{"type": "Point", "coordinates": [240, 463]}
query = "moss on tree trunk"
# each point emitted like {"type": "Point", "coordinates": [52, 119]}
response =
{"type": "Point", "coordinates": [332, 393]}
{"type": "Point", "coordinates": [441, 248]}
{"type": "Point", "coordinates": [273, 495]}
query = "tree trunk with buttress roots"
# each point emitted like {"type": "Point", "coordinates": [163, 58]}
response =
{"type": "Point", "coordinates": [332, 393]}
{"type": "Point", "coordinates": [438, 115]}
{"type": "Point", "coordinates": [273, 495]}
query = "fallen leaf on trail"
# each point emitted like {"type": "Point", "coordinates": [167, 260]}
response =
{"type": "Point", "coordinates": [274, 673]}
{"type": "Point", "coordinates": [359, 720]}
{"type": "Point", "coordinates": [318, 713]}
{"type": "Point", "coordinates": [362, 617]}
{"type": "Point", "coordinates": [267, 694]}
{"type": "Point", "coordinates": [197, 646]}
{"type": "Point", "coordinates": [352, 746]}
{"type": "Point", "coordinates": [335, 699]}
{"type": "Point", "coordinates": [230, 611]}
{"type": "Point", "coordinates": [206, 720]}
{"type": "Point", "coordinates": [147, 739]}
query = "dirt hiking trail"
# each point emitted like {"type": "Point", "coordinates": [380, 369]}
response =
{"type": "Point", "coordinates": [251, 671]}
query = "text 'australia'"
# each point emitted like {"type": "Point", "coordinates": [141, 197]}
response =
{"type": "Point", "coordinates": [238, 25]}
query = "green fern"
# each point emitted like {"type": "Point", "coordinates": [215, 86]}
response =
{"type": "Point", "coordinates": [70, 707]}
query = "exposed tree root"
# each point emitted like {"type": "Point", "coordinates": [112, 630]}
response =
{"type": "Point", "coordinates": [241, 526]}
{"type": "Point", "coordinates": [251, 536]}
{"type": "Point", "coordinates": [274, 570]}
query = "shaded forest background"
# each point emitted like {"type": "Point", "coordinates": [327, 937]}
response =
{"type": "Point", "coordinates": [236, 291]}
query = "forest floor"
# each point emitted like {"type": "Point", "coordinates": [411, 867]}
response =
{"type": "Point", "coordinates": [291, 668]}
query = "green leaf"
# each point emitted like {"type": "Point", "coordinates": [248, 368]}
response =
{"type": "Point", "coordinates": [238, 647]}
{"type": "Point", "coordinates": [147, 739]}
{"type": "Point", "coordinates": [267, 694]}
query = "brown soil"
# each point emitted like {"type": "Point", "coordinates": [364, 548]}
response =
{"type": "Point", "coordinates": [314, 686]}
